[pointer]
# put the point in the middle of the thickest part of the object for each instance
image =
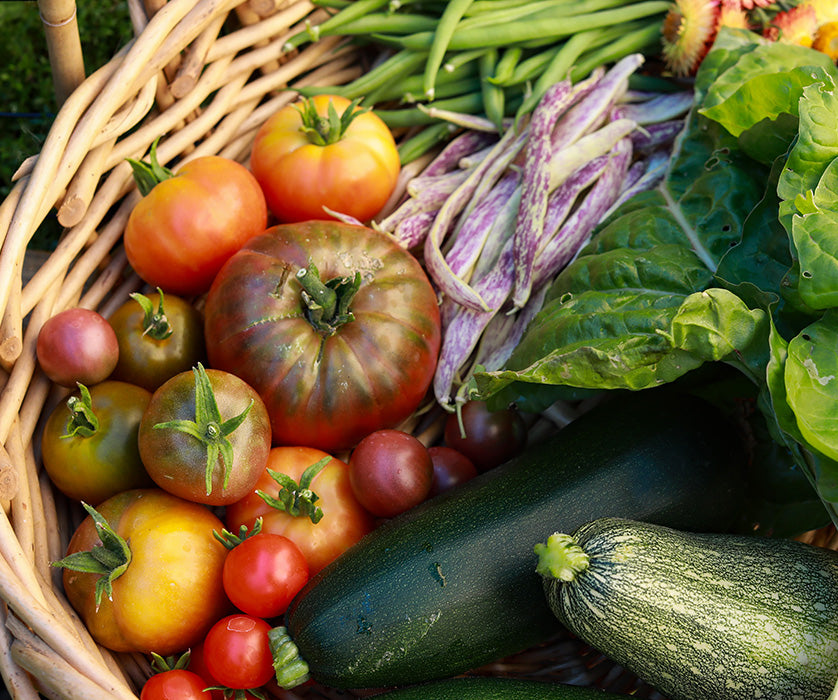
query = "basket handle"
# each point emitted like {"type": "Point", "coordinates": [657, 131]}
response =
{"type": "Point", "coordinates": [63, 44]}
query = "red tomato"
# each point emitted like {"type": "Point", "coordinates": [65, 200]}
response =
{"type": "Point", "coordinates": [184, 228]}
{"type": "Point", "coordinates": [177, 684]}
{"type": "Point", "coordinates": [77, 346]}
{"type": "Point", "coordinates": [487, 438]}
{"type": "Point", "coordinates": [329, 374]}
{"type": "Point", "coordinates": [237, 652]}
{"type": "Point", "coordinates": [263, 573]}
{"type": "Point", "coordinates": [390, 472]}
{"type": "Point", "coordinates": [451, 468]}
{"type": "Point", "coordinates": [344, 521]}
{"type": "Point", "coordinates": [304, 163]}
{"type": "Point", "coordinates": [205, 436]}
{"type": "Point", "coordinates": [170, 593]}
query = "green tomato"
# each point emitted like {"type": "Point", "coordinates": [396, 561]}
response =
{"type": "Point", "coordinates": [89, 444]}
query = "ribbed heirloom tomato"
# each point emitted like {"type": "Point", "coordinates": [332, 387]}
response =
{"type": "Point", "coordinates": [325, 151]}
{"type": "Point", "coordinates": [335, 325]}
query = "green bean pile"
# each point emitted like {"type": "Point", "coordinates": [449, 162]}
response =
{"type": "Point", "coordinates": [493, 58]}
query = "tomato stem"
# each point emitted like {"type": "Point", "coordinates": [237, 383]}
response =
{"type": "Point", "coordinates": [326, 304]}
{"type": "Point", "coordinates": [297, 499]}
{"type": "Point", "coordinates": [209, 427]}
{"type": "Point", "coordinates": [324, 130]}
{"type": "Point", "coordinates": [147, 175]}
{"type": "Point", "coordinates": [155, 323]}
{"type": "Point", "coordinates": [83, 421]}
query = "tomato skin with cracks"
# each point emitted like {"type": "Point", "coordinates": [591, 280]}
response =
{"type": "Point", "coordinates": [171, 592]}
{"type": "Point", "coordinates": [181, 232]}
{"type": "Point", "coordinates": [355, 175]}
{"type": "Point", "coordinates": [344, 520]}
{"type": "Point", "coordinates": [326, 389]}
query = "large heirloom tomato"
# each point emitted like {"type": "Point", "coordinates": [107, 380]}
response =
{"type": "Point", "coordinates": [336, 326]}
{"type": "Point", "coordinates": [164, 576]}
{"type": "Point", "coordinates": [312, 154]}
{"type": "Point", "coordinates": [190, 221]}
{"type": "Point", "coordinates": [340, 520]}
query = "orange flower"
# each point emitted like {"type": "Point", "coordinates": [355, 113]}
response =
{"type": "Point", "coordinates": [826, 40]}
{"type": "Point", "coordinates": [731, 14]}
{"type": "Point", "coordinates": [795, 26]}
{"type": "Point", "coordinates": [688, 32]}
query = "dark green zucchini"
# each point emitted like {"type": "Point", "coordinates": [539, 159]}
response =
{"type": "Point", "coordinates": [700, 616]}
{"type": "Point", "coordinates": [450, 585]}
{"type": "Point", "coordinates": [500, 688]}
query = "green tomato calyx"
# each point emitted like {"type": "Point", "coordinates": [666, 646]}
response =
{"type": "Point", "coordinates": [110, 559]}
{"type": "Point", "coordinates": [83, 421]}
{"type": "Point", "coordinates": [297, 499]}
{"type": "Point", "coordinates": [324, 130]}
{"type": "Point", "coordinates": [230, 540]}
{"type": "Point", "coordinates": [326, 304]}
{"type": "Point", "coordinates": [148, 175]}
{"type": "Point", "coordinates": [155, 322]}
{"type": "Point", "coordinates": [209, 427]}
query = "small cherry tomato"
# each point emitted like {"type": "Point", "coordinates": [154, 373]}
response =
{"type": "Point", "coordinates": [205, 436]}
{"type": "Point", "coordinates": [159, 336]}
{"type": "Point", "coordinates": [325, 152]}
{"type": "Point", "coordinates": [451, 468]}
{"type": "Point", "coordinates": [77, 346]}
{"type": "Point", "coordinates": [263, 572]}
{"type": "Point", "coordinates": [173, 681]}
{"type": "Point", "coordinates": [487, 438]}
{"type": "Point", "coordinates": [237, 652]}
{"type": "Point", "coordinates": [308, 499]}
{"type": "Point", "coordinates": [190, 221]}
{"type": "Point", "coordinates": [89, 443]}
{"type": "Point", "coordinates": [390, 471]}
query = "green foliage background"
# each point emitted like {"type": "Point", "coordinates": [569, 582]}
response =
{"type": "Point", "coordinates": [27, 100]}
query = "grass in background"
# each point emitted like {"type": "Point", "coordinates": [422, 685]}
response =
{"type": "Point", "coordinates": [27, 99]}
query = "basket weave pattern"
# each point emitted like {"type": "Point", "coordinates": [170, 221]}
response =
{"type": "Point", "coordinates": [204, 75]}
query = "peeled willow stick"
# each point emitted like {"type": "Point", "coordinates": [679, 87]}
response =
{"type": "Point", "coordinates": [63, 45]}
{"type": "Point", "coordinates": [17, 680]}
{"type": "Point", "coordinates": [83, 185]}
{"type": "Point", "coordinates": [194, 59]}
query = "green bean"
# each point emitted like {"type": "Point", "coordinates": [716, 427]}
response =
{"type": "Point", "coordinates": [332, 4]}
{"type": "Point", "coordinates": [352, 11]}
{"type": "Point", "coordinates": [558, 68]}
{"type": "Point", "coordinates": [394, 68]}
{"type": "Point", "coordinates": [506, 65]}
{"type": "Point", "coordinates": [493, 96]}
{"type": "Point", "coordinates": [413, 116]}
{"type": "Point", "coordinates": [517, 14]}
{"type": "Point", "coordinates": [629, 42]}
{"type": "Point", "coordinates": [441, 37]}
{"type": "Point", "coordinates": [398, 23]}
{"type": "Point", "coordinates": [410, 90]}
{"type": "Point", "coordinates": [479, 6]}
{"type": "Point", "coordinates": [555, 27]}
{"type": "Point", "coordinates": [418, 145]}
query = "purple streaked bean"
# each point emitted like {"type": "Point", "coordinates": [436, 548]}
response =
{"type": "Point", "coordinates": [411, 231]}
{"type": "Point", "coordinates": [475, 122]}
{"type": "Point", "coordinates": [654, 171]}
{"type": "Point", "coordinates": [657, 109]}
{"type": "Point", "coordinates": [447, 282]}
{"type": "Point", "coordinates": [594, 107]}
{"type": "Point", "coordinates": [650, 136]}
{"type": "Point", "coordinates": [563, 246]}
{"type": "Point", "coordinates": [472, 159]}
{"type": "Point", "coordinates": [460, 146]}
{"type": "Point", "coordinates": [480, 226]}
{"type": "Point", "coordinates": [564, 197]}
{"type": "Point", "coordinates": [535, 184]}
{"type": "Point", "coordinates": [597, 143]}
{"type": "Point", "coordinates": [435, 188]}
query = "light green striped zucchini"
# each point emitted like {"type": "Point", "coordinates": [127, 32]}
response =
{"type": "Point", "coordinates": [700, 616]}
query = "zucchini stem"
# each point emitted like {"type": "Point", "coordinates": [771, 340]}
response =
{"type": "Point", "coordinates": [561, 558]}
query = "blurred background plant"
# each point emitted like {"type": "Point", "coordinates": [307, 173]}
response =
{"type": "Point", "coordinates": [27, 99]}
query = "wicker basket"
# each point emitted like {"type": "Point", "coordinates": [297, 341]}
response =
{"type": "Point", "coordinates": [207, 92]}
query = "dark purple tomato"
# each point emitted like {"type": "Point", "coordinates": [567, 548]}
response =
{"type": "Point", "coordinates": [77, 346]}
{"type": "Point", "coordinates": [390, 472]}
{"type": "Point", "coordinates": [487, 438]}
{"type": "Point", "coordinates": [451, 468]}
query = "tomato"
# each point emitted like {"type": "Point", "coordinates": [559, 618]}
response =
{"type": "Point", "coordinates": [237, 652]}
{"type": "Point", "coordinates": [451, 468]}
{"type": "Point", "coordinates": [170, 592]}
{"type": "Point", "coordinates": [190, 221]}
{"type": "Point", "coordinates": [197, 664]}
{"type": "Point", "coordinates": [329, 372]}
{"type": "Point", "coordinates": [159, 336]}
{"type": "Point", "coordinates": [77, 346]}
{"type": "Point", "coordinates": [390, 472]}
{"type": "Point", "coordinates": [306, 158]}
{"type": "Point", "coordinates": [205, 436]}
{"type": "Point", "coordinates": [342, 520]}
{"type": "Point", "coordinates": [487, 438]}
{"type": "Point", "coordinates": [89, 443]}
{"type": "Point", "coordinates": [177, 684]}
{"type": "Point", "coordinates": [263, 572]}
